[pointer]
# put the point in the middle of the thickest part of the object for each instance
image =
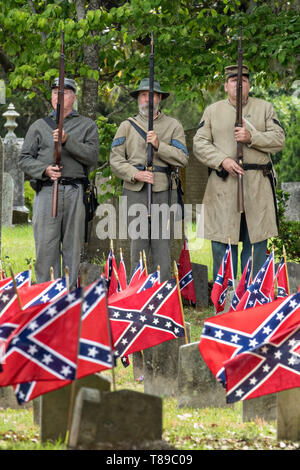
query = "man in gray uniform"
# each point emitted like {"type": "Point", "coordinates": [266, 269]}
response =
{"type": "Point", "coordinates": [128, 160]}
{"type": "Point", "coordinates": [215, 145]}
{"type": "Point", "coordinates": [59, 240]}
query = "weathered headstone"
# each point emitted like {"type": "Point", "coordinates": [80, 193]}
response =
{"type": "Point", "coordinates": [93, 271]}
{"type": "Point", "coordinates": [288, 415]}
{"type": "Point", "coordinates": [7, 200]}
{"type": "Point", "coordinates": [197, 387]}
{"type": "Point", "coordinates": [119, 420]}
{"type": "Point", "coordinates": [138, 364]}
{"type": "Point", "coordinates": [294, 276]}
{"type": "Point", "coordinates": [12, 147]}
{"type": "Point", "coordinates": [196, 174]}
{"type": "Point", "coordinates": [54, 411]}
{"type": "Point", "coordinates": [8, 399]}
{"type": "Point", "coordinates": [264, 407]}
{"type": "Point", "coordinates": [292, 211]}
{"type": "Point", "coordinates": [161, 366]}
{"type": "Point", "coordinates": [200, 276]}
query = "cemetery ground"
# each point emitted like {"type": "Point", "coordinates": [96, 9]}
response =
{"type": "Point", "coordinates": [183, 428]}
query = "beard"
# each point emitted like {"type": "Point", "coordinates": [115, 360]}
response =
{"type": "Point", "coordinates": [144, 109]}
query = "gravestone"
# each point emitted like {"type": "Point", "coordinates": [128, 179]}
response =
{"type": "Point", "coordinates": [8, 399]}
{"type": "Point", "coordinates": [54, 406]}
{"type": "Point", "coordinates": [123, 419]}
{"type": "Point", "coordinates": [138, 364]}
{"type": "Point", "coordinates": [12, 148]}
{"type": "Point", "coordinates": [7, 199]}
{"type": "Point", "coordinates": [161, 366]}
{"type": "Point", "coordinates": [200, 276]}
{"type": "Point", "coordinates": [294, 276]}
{"type": "Point", "coordinates": [197, 386]}
{"type": "Point", "coordinates": [292, 210]}
{"type": "Point", "coordinates": [264, 407]}
{"type": "Point", "coordinates": [93, 271]}
{"type": "Point", "coordinates": [288, 415]}
{"type": "Point", "coordinates": [196, 174]}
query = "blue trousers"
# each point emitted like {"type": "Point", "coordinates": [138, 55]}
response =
{"type": "Point", "coordinates": [259, 252]}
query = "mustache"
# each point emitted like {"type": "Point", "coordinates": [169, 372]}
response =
{"type": "Point", "coordinates": [144, 108]}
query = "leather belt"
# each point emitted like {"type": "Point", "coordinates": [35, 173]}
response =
{"type": "Point", "coordinates": [65, 181]}
{"type": "Point", "coordinates": [155, 168]}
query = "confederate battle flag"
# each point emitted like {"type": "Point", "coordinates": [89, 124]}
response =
{"type": "Point", "coordinates": [185, 275]}
{"type": "Point", "coordinates": [223, 280]}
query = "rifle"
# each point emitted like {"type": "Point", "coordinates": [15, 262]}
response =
{"type": "Point", "coordinates": [239, 123]}
{"type": "Point", "coordinates": [59, 123]}
{"type": "Point", "coordinates": [150, 123]}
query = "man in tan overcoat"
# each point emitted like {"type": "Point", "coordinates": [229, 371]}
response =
{"type": "Point", "coordinates": [128, 160]}
{"type": "Point", "coordinates": [215, 145]}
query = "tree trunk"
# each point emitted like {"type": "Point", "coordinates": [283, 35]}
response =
{"type": "Point", "coordinates": [89, 97]}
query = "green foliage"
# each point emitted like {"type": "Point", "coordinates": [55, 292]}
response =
{"type": "Point", "coordinates": [289, 232]}
{"type": "Point", "coordinates": [29, 195]}
{"type": "Point", "coordinates": [111, 186]}
{"type": "Point", "coordinates": [288, 168]}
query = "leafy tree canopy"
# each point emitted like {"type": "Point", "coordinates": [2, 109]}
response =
{"type": "Point", "coordinates": [107, 42]}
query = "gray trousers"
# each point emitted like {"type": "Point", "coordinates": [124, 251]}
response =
{"type": "Point", "coordinates": [58, 241]}
{"type": "Point", "coordinates": [157, 247]}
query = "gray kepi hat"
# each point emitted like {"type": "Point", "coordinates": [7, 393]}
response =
{"type": "Point", "coordinates": [144, 86]}
{"type": "Point", "coordinates": [232, 71]}
{"type": "Point", "coordinates": [69, 83]}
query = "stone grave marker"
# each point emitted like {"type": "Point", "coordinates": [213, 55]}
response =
{"type": "Point", "coordinates": [7, 199]}
{"type": "Point", "coordinates": [200, 276]}
{"type": "Point", "coordinates": [122, 419]}
{"type": "Point", "coordinates": [264, 407]}
{"type": "Point", "coordinates": [161, 366]}
{"type": "Point", "coordinates": [292, 211]}
{"type": "Point", "coordinates": [8, 399]}
{"type": "Point", "coordinates": [288, 415]}
{"type": "Point", "coordinates": [54, 407]}
{"type": "Point", "coordinates": [197, 386]}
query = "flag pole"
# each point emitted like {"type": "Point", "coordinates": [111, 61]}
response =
{"type": "Point", "coordinates": [286, 270]}
{"type": "Point", "coordinates": [67, 276]}
{"type": "Point", "coordinates": [117, 277]}
{"type": "Point", "coordinates": [110, 345]}
{"type": "Point", "coordinates": [145, 262]}
{"type": "Point", "coordinates": [51, 273]}
{"type": "Point", "coordinates": [180, 300]}
{"type": "Point", "coordinates": [252, 252]}
{"type": "Point", "coordinates": [233, 280]}
{"type": "Point", "coordinates": [15, 286]}
{"type": "Point", "coordinates": [30, 274]}
{"type": "Point", "coordinates": [73, 384]}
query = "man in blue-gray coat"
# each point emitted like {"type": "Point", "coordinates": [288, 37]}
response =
{"type": "Point", "coordinates": [59, 240]}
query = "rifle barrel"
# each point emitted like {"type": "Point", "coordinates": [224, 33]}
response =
{"type": "Point", "coordinates": [239, 123]}
{"type": "Point", "coordinates": [150, 123]}
{"type": "Point", "coordinates": [59, 123]}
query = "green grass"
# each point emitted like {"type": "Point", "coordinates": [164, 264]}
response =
{"type": "Point", "coordinates": [17, 248]}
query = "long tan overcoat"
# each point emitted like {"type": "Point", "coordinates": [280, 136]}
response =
{"type": "Point", "coordinates": [213, 142]}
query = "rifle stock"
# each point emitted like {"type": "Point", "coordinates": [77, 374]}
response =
{"type": "Point", "coordinates": [59, 123]}
{"type": "Point", "coordinates": [150, 124]}
{"type": "Point", "coordinates": [239, 123]}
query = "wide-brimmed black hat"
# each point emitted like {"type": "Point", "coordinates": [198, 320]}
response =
{"type": "Point", "coordinates": [69, 83]}
{"type": "Point", "coordinates": [144, 86]}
